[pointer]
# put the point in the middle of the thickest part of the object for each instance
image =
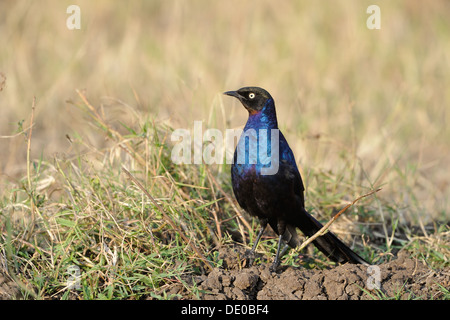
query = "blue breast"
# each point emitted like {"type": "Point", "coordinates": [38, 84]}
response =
{"type": "Point", "coordinates": [261, 146]}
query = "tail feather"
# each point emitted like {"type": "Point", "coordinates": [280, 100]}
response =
{"type": "Point", "coordinates": [329, 244]}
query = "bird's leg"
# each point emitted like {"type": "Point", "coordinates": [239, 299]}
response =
{"type": "Point", "coordinates": [281, 231]}
{"type": "Point", "coordinates": [250, 255]}
{"type": "Point", "coordinates": [276, 262]}
{"type": "Point", "coordinates": [285, 248]}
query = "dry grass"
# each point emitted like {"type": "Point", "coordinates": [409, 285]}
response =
{"type": "Point", "coordinates": [361, 109]}
{"type": "Point", "coordinates": [378, 95]}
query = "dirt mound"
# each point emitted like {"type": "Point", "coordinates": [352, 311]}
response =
{"type": "Point", "coordinates": [402, 278]}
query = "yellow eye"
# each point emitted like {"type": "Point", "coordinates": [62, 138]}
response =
{"type": "Point", "coordinates": [251, 95]}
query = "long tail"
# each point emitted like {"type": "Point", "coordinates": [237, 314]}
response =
{"type": "Point", "coordinates": [329, 244]}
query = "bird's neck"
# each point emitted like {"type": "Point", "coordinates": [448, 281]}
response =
{"type": "Point", "coordinates": [264, 119]}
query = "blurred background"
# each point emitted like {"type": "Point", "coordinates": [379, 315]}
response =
{"type": "Point", "coordinates": [343, 91]}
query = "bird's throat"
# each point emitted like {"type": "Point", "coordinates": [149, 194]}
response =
{"type": "Point", "coordinates": [265, 118]}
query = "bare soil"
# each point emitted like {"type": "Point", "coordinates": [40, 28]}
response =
{"type": "Point", "coordinates": [401, 278]}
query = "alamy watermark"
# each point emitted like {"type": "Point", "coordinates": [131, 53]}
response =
{"type": "Point", "coordinates": [74, 20]}
{"type": "Point", "coordinates": [374, 20]}
{"type": "Point", "coordinates": [374, 279]}
{"type": "Point", "coordinates": [259, 147]}
{"type": "Point", "coordinates": [74, 278]}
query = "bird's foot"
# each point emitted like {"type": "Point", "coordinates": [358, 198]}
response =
{"type": "Point", "coordinates": [249, 257]}
{"type": "Point", "coordinates": [274, 266]}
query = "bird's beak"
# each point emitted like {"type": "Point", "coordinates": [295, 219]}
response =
{"type": "Point", "coordinates": [233, 94]}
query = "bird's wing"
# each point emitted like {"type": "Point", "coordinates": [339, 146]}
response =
{"type": "Point", "coordinates": [290, 166]}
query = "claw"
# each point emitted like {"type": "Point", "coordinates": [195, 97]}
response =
{"type": "Point", "coordinates": [250, 257]}
{"type": "Point", "coordinates": [274, 266]}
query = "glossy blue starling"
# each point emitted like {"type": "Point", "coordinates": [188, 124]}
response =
{"type": "Point", "coordinates": [267, 184]}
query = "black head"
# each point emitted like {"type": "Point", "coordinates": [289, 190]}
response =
{"type": "Point", "coordinates": [253, 98]}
